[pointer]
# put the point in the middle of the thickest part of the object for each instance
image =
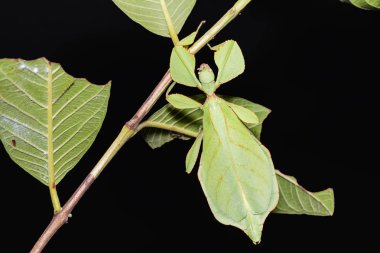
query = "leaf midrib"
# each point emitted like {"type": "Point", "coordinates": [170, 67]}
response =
{"type": "Point", "coordinates": [50, 126]}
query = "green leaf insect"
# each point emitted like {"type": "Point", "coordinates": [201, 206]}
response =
{"type": "Point", "coordinates": [236, 171]}
{"type": "Point", "coordinates": [48, 119]}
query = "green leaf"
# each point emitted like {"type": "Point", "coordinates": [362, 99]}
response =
{"type": "Point", "coordinates": [193, 153]}
{"type": "Point", "coordinates": [150, 15]}
{"type": "Point", "coordinates": [374, 3]}
{"type": "Point", "coordinates": [230, 61]}
{"type": "Point", "coordinates": [236, 172]}
{"type": "Point", "coordinates": [245, 114]}
{"type": "Point", "coordinates": [76, 111]}
{"type": "Point", "coordinates": [180, 101]}
{"type": "Point", "coordinates": [362, 4]}
{"type": "Point", "coordinates": [182, 67]}
{"type": "Point", "coordinates": [296, 200]}
{"type": "Point", "coordinates": [186, 123]}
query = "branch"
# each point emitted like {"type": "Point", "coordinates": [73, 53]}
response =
{"type": "Point", "coordinates": [128, 131]}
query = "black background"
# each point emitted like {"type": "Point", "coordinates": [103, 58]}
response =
{"type": "Point", "coordinates": [314, 63]}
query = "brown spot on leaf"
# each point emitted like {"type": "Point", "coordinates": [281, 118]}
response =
{"type": "Point", "coordinates": [14, 143]}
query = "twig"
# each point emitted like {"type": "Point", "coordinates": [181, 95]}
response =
{"type": "Point", "coordinates": [128, 131]}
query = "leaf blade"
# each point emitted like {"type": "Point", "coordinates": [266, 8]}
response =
{"type": "Point", "coordinates": [294, 199]}
{"type": "Point", "coordinates": [374, 3]}
{"type": "Point", "coordinates": [149, 14]}
{"type": "Point", "coordinates": [362, 4]}
{"type": "Point", "coordinates": [24, 118]}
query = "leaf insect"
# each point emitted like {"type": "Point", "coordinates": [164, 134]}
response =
{"type": "Point", "coordinates": [236, 171]}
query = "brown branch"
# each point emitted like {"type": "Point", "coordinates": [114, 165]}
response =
{"type": "Point", "coordinates": [62, 217]}
{"type": "Point", "coordinates": [150, 101]}
{"type": "Point", "coordinates": [128, 132]}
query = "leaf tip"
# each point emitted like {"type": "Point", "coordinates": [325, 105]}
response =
{"type": "Point", "coordinates": [254, 233]}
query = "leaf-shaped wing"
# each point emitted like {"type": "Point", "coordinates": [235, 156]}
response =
{"type": "Point", "coordinates": [150, 15]}
{"type": "Point", "coordinates": [236, 173]}
{"type": "Point", "coordinates": [294, 199]}
{"type": "Point", "coordinates": [189, 121]}
{"type": "Point", "coordinates": [77, 111]}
